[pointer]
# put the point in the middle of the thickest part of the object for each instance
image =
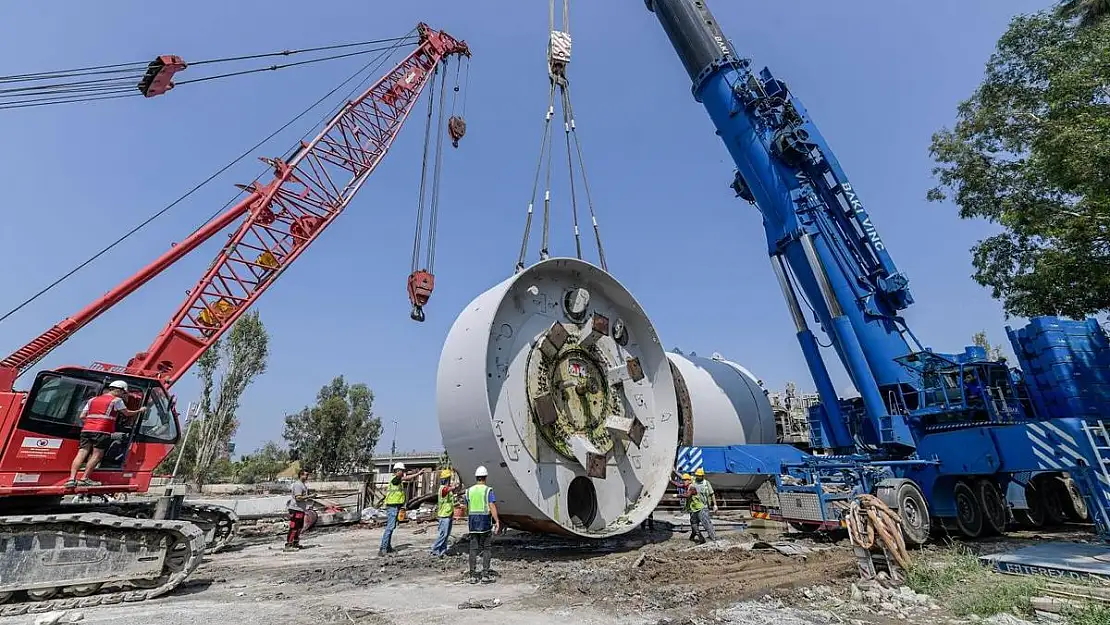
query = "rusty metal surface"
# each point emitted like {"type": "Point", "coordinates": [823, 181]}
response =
{"type": "Point", "coordinates": [685, 420]}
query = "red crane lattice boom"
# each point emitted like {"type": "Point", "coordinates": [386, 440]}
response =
{"type": "Point", "coordinates": [283, 216]}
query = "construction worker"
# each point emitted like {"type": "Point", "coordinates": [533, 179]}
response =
{"type": "Point", "coordinates": [98, 424]}
{"type": "Point", "coordinates": [694, 506]}
{"type": "Point", "coordinates": [394, 501]}
{"type": "Point", "coordinates": [705, 489]}
{"type": "Point", "coordinates": [445, 512]}
{"type": "Point", "coordinates": [298, 497]}
{"type": "Point", "coordinates": [483, 522]}
{"type": "Point", "coordinates": [708, 500]}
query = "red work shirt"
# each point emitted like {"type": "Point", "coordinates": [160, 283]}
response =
{"type": "Point", "coordinates": [100, 413]}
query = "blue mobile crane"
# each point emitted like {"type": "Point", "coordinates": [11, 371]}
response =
{"type": "Point", "coordinates": [956, 440]}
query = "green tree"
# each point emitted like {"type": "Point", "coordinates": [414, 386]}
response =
{"type": "Point", "coordinates": [1030, 152]}
{"type": "Point", "coordinates": [1086, 12]}
{"type": "Point", "coordinates": [226, 369]}
{"type": "Point", "coordinates": [339, 433]}
{"type": "Point", "coordinates": [263, 465]}
{"type": "Point", "coordinates": [994, 352]}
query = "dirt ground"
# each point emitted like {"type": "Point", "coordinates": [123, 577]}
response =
{"type": "Point", "coordinates": [647, 578]}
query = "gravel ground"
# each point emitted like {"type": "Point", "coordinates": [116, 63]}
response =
{"type": "Point", "coordinates": [644, 578]}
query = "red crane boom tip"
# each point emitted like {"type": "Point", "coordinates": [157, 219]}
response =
{"type": "Point", "coordinates": [441, 42]}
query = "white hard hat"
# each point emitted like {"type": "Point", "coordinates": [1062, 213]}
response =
{"type": "Point", "coordinates": [120, 384]}
{"type": "Point", "coordinates": [400, 466]}
{"type": "Point", "coordinates": [481, 472]}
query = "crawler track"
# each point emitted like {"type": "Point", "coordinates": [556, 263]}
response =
{"type": "Point", "coordinates": [219, 524]}
{"type": "Point", "coordinates": [79, 560]}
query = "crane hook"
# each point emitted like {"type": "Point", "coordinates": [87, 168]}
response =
{"type": "Point", "coordinates": [456, 128]}
{"type": "Point", "coordinates": [421, 284]}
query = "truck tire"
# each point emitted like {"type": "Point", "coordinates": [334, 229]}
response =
{"type": "Point", "coordinates": [995, 512]}
{"type": "Point", "coordinates": [1075, 508]}
{"type": "Point", "coordinates": [969, 510]}
{"type": "Point", "coordinates": [914, 513]}
{"type": "Point", "coordinates": [1035, 516]}
{"type": "Point", "coordinates": [1051, 496]}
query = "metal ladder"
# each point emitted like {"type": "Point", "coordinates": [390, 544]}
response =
{"type": "Point", "coordinates": [1099, 438]}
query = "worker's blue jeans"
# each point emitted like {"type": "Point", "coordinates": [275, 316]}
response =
{"type": "Point", "coordinates": [707, 523]}
{"type": "Point", "coordinates": [440, 547]}
{"type": "Point", "coordinates": [390, 525]}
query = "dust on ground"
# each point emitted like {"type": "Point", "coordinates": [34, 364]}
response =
{"type": "Point", "coordinates": [643, 578]}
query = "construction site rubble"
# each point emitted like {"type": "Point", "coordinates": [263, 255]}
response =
{"type": "Point", "coordinates": [59, 617]}
{"type": "Point", "coordinates": [479, 604]}
{"type": "Point", "coordinates": [657, 574]}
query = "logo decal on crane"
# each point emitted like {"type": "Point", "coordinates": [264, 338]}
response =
{"type": "Point", "coordinates": [37, 447]}
{"type": "Point", "coordinates": [42, 443]}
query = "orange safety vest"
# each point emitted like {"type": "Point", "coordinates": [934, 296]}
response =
{"type": "Point", "coordinates": [100, 417]}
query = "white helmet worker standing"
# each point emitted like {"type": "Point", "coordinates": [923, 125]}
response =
{"type": "Point", "coordinates": [395, 500]}
{"type": "Point", "coordinates": [483, 522]}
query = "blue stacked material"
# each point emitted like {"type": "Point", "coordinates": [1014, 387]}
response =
{"type": "Point", "coordinates": [1066, 365]}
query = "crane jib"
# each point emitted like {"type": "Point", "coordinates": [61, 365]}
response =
{"type": "Point", "coordinates": [278, 220]}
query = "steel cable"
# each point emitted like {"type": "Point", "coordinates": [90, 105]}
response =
{"type": "Point", "coordinates": [164, 210]}
{"type": "Point", "coordinates": [21, 94]}
{"type": "Point", "coordinates": [871, 523]}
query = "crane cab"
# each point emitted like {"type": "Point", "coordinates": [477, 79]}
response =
{"type": "Point", "coordinates": [963, 389]}
{"type": "Point", "coordinates": [40, 431]}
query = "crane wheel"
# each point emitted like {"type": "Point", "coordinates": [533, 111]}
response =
{"type": "Point", "coordinates": [1051, 495]}
{"type": "Point", "coordinates": [1035, 516]}
{"type": "Point", "coordinates": [219, 524]}
{"type": "Point", "coordinates": [42, 594]}
{"type": "Point", "coordinates": [914, 513]}
{"type": "Point", "coordinates": [995, 513]}
{"type": "Point", "coordinates": [969, 510]}
{"type": "Point", "coordinates": [82, 590]}
{"type": "Point", "coordinates": [1075, 508]}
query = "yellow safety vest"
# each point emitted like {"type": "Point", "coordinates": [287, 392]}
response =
{"type": "Point", "coordinates": [394, 494]}
{"type": "Point", "coordinates": [693, 502]}
{"type": "Point", "coordinates": [477, 499]}
{"type": "Point", "coordinates": [479, 517]}
{"type": "Point", "coordinates": [446, 506]}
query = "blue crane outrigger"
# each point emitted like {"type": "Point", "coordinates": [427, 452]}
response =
{"type": "Point", "coordinates": [945, 439]}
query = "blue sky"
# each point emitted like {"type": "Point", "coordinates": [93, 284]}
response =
{"type": "Point", "coordinates": [877, 81]}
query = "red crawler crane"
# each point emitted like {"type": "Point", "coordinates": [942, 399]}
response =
{"type": "Point", "coordinates": [117, 543]}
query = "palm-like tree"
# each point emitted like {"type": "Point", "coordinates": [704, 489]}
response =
{"type": "Point", "coordinates": [1088, 12]}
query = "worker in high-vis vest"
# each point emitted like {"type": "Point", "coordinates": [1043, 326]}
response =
{"type": "Point", "coordinates": [708, 500]}
{"type": "Point", "coordinates": [445, 513]}
{"type": "Point", "coordinates": [395, 499]}
{"type": "Point", "coordinates": [693, 506]}
{"type": "Point", "coordinates": [98, 424]}
{"type": "Point", "coordinates": [481, 512]}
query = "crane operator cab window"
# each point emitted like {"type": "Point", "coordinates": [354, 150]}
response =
{"type": "Point", "coordinates": [55, 401]}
